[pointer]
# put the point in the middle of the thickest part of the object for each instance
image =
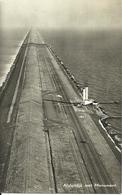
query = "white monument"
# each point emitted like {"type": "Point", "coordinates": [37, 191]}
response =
{"type": "Point", "coordinates": [86, 100]}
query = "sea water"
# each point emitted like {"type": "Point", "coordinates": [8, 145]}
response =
{"type": "Point", "coordinates": [10, 40]}
{"type": "Point", "coordinates": [93, 57]}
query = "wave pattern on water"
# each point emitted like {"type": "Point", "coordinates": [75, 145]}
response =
{"type": "Point", "coordinates": [95, 58]}
{"type": "Point", "coordinates": [9, 44]}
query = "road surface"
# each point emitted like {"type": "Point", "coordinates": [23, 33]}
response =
{"type": "Point", "coordinates": [50, 146]}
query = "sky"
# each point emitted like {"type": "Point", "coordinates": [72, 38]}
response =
{"type": "Point", "coordinates": [79, 14]}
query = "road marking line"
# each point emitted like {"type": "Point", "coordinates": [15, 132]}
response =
{"type": "Point", "coordinates": [16, 90]}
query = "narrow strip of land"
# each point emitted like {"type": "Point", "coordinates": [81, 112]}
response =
{"type": "Point", "coordinates": [55, 147]}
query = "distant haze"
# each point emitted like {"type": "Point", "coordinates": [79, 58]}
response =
{"type": "Point", "coordinates": [79, 14]}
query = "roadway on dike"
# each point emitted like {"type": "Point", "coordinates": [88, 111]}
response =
{"type": "Point", "coordinates": [47, 146]}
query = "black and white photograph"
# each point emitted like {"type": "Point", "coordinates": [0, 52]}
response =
{"type": "Point", "coordinates": [60, 96]}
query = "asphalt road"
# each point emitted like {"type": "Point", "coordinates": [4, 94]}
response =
{"type": "Point", "coordinates": [98, 173]}
{"type": "Point", "coordinates": [56, 147]}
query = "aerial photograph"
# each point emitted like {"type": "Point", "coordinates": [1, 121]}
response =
{"type": "Point", "coordinates": [60, 96]}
